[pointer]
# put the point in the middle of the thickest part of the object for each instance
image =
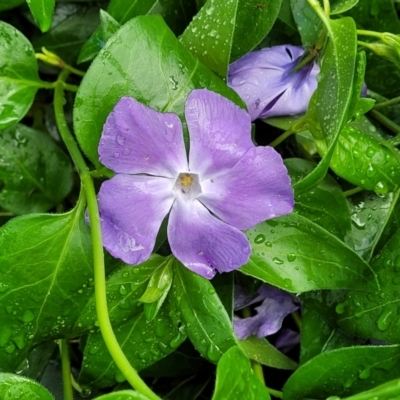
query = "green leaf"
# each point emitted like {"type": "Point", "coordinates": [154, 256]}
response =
{"type": "Point", "coordinates": [318, 335]}
{"type": "Point", "coordinates": [19, 79]}
{"type": "Point", "coordinates": [329, 105]}
{"type": "Point", "coordinates": [225, 287]}
{"type": "Point", "coordinates": [123, 395]}
{"type": "Point", "coordinates": [261, 351]}
{"type": "Point", "coordinates": [143, 342]}
{"type": "Point", "coordinates": [341, 6]}
{"type": "Point", "coordinates": [236, 379]}
{"type": "Point", "coordinates": [364, 161]}
{"type": "Point", "coordinates": [18, 387]}
{"type": "Point", "coordinates": [73, 24]}
{"type": "Point", "coordinates": [36, 174]}
{"type": "Point", "coordinates": [307, 21]}
{"type": "Point", "coordinates": [220, 33]}
{"type": "Point", "coordinates": [42, 11]}
{"type": "Point", "coordinates": [297, 255]}
{"type": "Point", "coordinates": [45, 275]}
{"type": "Point", "coordinates": [171, 73]}
{"type": "Point", "coordinates": [8, 4]}
{"type": "Point", "coordinates": [381, 392]}
{"type": "Point", "coordinates": [375, 218]}
{"type": "Point", "coordinates": [325, 204]}
{"type": "Point", "coordinates": [343, 372]}
{"type": "Point", "coordinates": [375, 316]}
{"type": "Point", "coordinates": [207, 323]}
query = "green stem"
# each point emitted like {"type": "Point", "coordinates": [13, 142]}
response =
{"type": "Point", "coordinates": [369, 33]}
{"type": "Point", "coordinates": [327, 8]}
{"type": "Point", "coordinates": [258, 371]}
{"type": "Point", "coordinates": [297, 319]}
{"type": "Point", "coordinates": [387, 103]}
{"type": "Point", "coordinates": [385, 121]}
{"type": "Point", "coordinates": [66, 370]}
{"type": "Point", "coordinates": [314, 4]}
{"type": "Point", "coordinates": [350, 192]}
{"type": "Point", "coordinates": [71, 88]}
{"type": "Point", "coordinates": [6, 214]}
{"type": "Point", "coordinates": [98, 254]}
{"type": "Point", "coordinates": [275, 393]}
{"type": "Point", "coordinates": [73, 70]}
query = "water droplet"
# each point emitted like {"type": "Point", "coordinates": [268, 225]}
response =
{"type": "Point", "coordinates": [365, 373]}
{"type": "Point", "coordinates": [119, 376]}
{"type": "Point", "coordinates": [278, 261]}
{"type": "Point", "coordinates": [371, 171]}
{"type": "Point", "coordinates": [213, 354]}
{"type": "Point", "coordinates": [174, 82]}
{"type": "Point", "coordinates": [3, 287]}
{"type": "Point", "coordinates": [27, 316]}
{"type": "Point", "coordinates": [10, 348]}
{"type": "Point", "coordinates": [123, 290]}
{"type": "Point", "coordinates": [381, 188]}
{"type": "Point", "coordinates": [370, 152]}
{"type": "Point", "coordinates": [341, 307]}
{"type": "Point", "coordinates": [120, 140]}
{"type": "Point", "coordinates": [211, 290]}
{"type": "Point", "coordinates": [125, 274]}
{"type": "Point", "coordinates": [291, 257]}
{"type": "Point", "coordinates": [384, 320]}
{"type": "Point", "coordinates": [176, 341]}
{"type": "Point", "coordinates": [259, 239]}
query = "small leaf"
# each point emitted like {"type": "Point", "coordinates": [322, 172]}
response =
{"type": "Point", "coordinates": [341, 6]}
{"type": "Point", "coordinates": [261, 351]}
{"type": "Point", "coordinates": [297, 255]}
{"type": "Point", "coordinates": [42, 11]}
{"type": "Point", "coordinates": [220, 33]}
{"type": "Point", "coordinates": [36, 174]}
{"type": "Point", "coordinates": [236, 379]}
{"type": "Point", "coordinates": [343, 372]}
{"type": "Point", "coordinates": [123, 395]}
{"type": "Point", "coordinates": [19, 79]}
{"type": "Point", "coordinates": [208, 325]}
{"type": "Point", "coordinates": [18, 387]}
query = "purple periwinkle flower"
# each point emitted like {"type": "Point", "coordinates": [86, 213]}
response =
{"type": "Point", "coordinates": [227, 185]}
{"type": "Point", "coordinates": [276, 305]}
{"type": "Point", "coordinates": [265, 81]}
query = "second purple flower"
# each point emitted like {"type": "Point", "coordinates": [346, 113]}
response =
{"type": "Point", "coordinates": [227, 185]}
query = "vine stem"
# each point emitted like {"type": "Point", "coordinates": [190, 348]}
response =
{"type": "Point", "coordinates": [387, 103]}
{"type": "Point", "coordinates": [66, 370]}
{"type": "Point", "coordinates": [350, 192]}
{"type": "Point", "coordinates": [103, 317]}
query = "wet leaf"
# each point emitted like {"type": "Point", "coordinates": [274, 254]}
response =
{"type": "Point", "coordinates": [208, 325]}
{"type": "Point", "coordinates": [35, 173]}
{"type": "Point", "coordinates": [18, 387]}
{"type": "Point", "coordinates": [236, 379]}
{"type": "Point", "coordinates": [171, 73]}
{"type": "Point", "coordinates": [220, 33]}
{"type": "Point", "coordinates": [343, 372]}
{"type": "Point", "coordinates": [294, 254]}
{"type": "Point", "coordinates": [45, 280]}
{"type": "Point", "coordinates": [123, 395]}
{"type": "Point", "coordinates": [19, 79]}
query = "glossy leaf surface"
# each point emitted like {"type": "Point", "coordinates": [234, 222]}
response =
{"type": "Point", "coordinates": [171, 73]}
{"type": "Point", "coordinates": [220, 33]}
{"type": "Point", "coordinates": [208, 325]}
{"type": "Point", "coordinates": [35, 173]}
{"type": "Point", "coordinates": [297, 255]}
{"type": "Point", "coordinates": [18, 387]}
{"type": "Point", "coordinates": [42, 11]}
{"type": "Point", "coordinates": [236, 379]}
{"type": "Point", "coordinates": [19, 79]}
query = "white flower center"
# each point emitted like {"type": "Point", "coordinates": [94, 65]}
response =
{"type": "Point", "coordinates": [187, 186]}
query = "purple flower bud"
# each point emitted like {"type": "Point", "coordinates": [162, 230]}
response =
{"type": "Point", "coordinates": [266, 83]}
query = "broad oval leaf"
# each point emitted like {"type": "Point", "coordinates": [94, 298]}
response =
{"type": "Point", "coordinates": [35, 173]}
{"type": "Point", "coordinates": [375, 316]}
{"type": "Point", "coordinates": [341, 6]}
{"type": "Point", "coordinates": [294, 254]}
{"type": "Point", "coordinates": [208, 325]}
{"type": "Point", "coordinates": [19, 79]}
{"type": "Point", "coordinates": [221, 33]}
{"type": "Point", "coordinates": [18, 387]}
{"type": "Point", "coordinates": [236, 379]}
{"type": "Point", "coordinates": [42, 11]}
{"type": "Point", "coordinates": [364, 161]}
{"type": "Point", "coordinates": [343, 372]}
{"type": "Point", "coordinates": [143, 47]}
{"type": "Point", "coordinates": [45, 280]}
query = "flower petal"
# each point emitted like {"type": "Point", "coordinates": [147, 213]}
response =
{"type": "Point", "coordinates": [220, 132]}
{"type": "Point", "coordinates": [257, 188]}
{"type": "Point", "coordinates": [137, 139]}
{"type": "Point", "coordinates": [132, 208]}
{"type": "Point", "coordinates": [203, 243]}
{"type": "Point", "coordinates": [270, 314]}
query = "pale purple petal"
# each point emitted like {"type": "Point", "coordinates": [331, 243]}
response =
{"type": "Point", "coordinates": [286, 340]}
{"type": "Point", "coordinates": [132, 208]}
{"type": "Point", "coordinates": [137, 139]}
{"type": "Point", "coordinates": [257, 188]}
{"type": "Point", "coordinates": [220, 132]}
{"type": "Point", "coordinates": [263, 79]}
{"type": "Point", "coordinates": [270, 314]}
{"type": "Point", "coordinates": [203, 243]}
{"type": "Point", "coordinates": [243, 299]}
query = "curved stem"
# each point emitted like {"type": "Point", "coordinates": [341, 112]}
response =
{"type": "Point", "coordinates": [73, 70]}
{"type": "Point", "coordinates": [66, 370]}
{"type": "Point", "coordinates": [350, 192]}
{"type": "Point", "coordinates": [98, 254]}
{"type": "Point", "coordinates": [387, 103]}
{"type": "Point", "coordinates": [385, 121]}
{"type": "Point", "coordinates": [258, 371]}
{"type": "Point", "coordinates": [275, 393]}
{"type": "Point", "coordinates": [369, 33]}
{"type": "Point", "coordinates": [282, 137]}
{"type": "Point", "coordinates": [327, 8]}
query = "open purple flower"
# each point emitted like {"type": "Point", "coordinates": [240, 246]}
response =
{"type": "Point", "coordinates": [227, 185]}
{"type": "Point", "coordinates": [263, 79]}
{"type": "Point", "coordinates": [276, 305]}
